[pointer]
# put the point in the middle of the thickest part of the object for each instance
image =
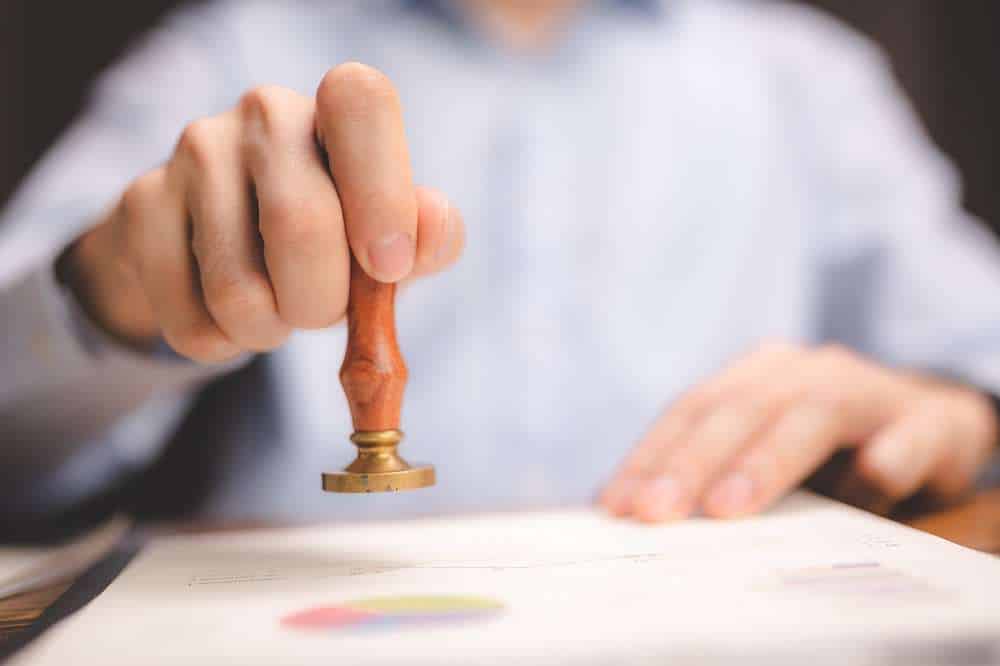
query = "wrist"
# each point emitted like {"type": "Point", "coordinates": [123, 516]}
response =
{"type": "Point", "coordinates": [108, 293]}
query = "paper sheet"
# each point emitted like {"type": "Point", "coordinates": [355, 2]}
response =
{"type": "Point", "coordinates": [26, 569]}
{"type": "Point", "coordinates": [16, 560]}
{"type": "Point", "coordinates": [811, 577]}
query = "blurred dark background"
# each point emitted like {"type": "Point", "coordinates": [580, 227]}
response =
{"type": "Point", "coordinates": [947, 55]}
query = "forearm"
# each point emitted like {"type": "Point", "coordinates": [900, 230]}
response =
{"type": "Point", "coordinates": [73, 399]}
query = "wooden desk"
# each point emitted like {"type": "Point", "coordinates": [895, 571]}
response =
{"type": "Point", "coordinates": [974, 523]}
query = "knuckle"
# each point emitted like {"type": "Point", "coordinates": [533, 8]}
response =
{"type": "Point", "coordinates": [197, 142]}
{"type": "Point", "coordinates": [735, 418]}
{"type": "Point", "coordinates": [239, 299]}
{"type": "Point", "coordinates": [205, 242]}
{"type": "Point", "coordinates": [130, 257]}
{"type": "Point", "coordinates": [823, 398]}
{"type": "Point", "coordinates": [262, 102]}
{"type": "Point", "coordinates": [835, 355]}
{"type": "Point", "coordinates": [776, 347]}
{"type": "Point", "coordinates": [292, 221]}
{"type": "Point", "coordinates": [143, 192]}
{"type": "Point", "coordinates": [128, 234]}
{"type": "Point", "coordinates": [128, 250]}
{"type": "Point", "coordinates": [265, 107]}
{"type": "Point", "coordinates": [124, 258]}
{"type": "Point", "coordinates": [695, 405]}
{"type": "Point", "coordinates": [755, 405]}
{"type": "Point", "coordinates": [201, 341]}
{"type": "Point", "coordinates": [129, 242]}
{"type": "Point", "coordinates": [355, 89]}
{"type": "Point", "coordinates": [247, 312]}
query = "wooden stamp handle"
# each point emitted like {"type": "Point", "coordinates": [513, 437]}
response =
{"type": "Point", "coordinates": [373, 373]}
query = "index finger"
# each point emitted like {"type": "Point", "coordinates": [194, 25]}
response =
{"type": "Point", "coordinates": [676, 421]}
{"type": "Point", "coordinates": [360, 124]}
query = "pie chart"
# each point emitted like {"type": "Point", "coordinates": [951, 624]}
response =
{"type": "Point", "coordinates": [393, 612]}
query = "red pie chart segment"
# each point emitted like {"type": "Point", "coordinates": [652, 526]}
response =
{"type": "Point", "coordinates": [388, 612]}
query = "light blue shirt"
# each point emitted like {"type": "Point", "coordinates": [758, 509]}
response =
{"type": "Point", "coordinates": [668, 186]}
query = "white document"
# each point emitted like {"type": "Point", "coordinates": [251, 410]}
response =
{"type": "Point", "coordinates": [810, 580]}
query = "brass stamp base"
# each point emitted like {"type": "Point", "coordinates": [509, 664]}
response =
{"type": "Point", "coordinates": [378, 467]}
{"type": "Point", "coordinates": [405, 479]}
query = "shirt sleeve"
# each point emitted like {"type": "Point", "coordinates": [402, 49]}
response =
{"type": "Point", "coordinates": [907, 275]}
{"type": "Point", "coordinates": [78, 410]}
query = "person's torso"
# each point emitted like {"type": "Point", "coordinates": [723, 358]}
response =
{"type": "Point", "coordinates": [636, 215]}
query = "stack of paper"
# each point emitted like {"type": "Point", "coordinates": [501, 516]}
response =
{"type": "Point", "coordinates": [26, 569]}
{"type": "Point", "coordinates": [812, 578]}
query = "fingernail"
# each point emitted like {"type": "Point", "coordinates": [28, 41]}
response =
{"type": "Point", "coordinates": [660, 499]}
{"type": "Point", "coordinates": [617, 496]}
{"type": "Point", "coordinates": [444, 245]}
{"type": "Point", "coordinates": [732, 495]}
{"type": "Point", "coordinates": [391, 256]}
